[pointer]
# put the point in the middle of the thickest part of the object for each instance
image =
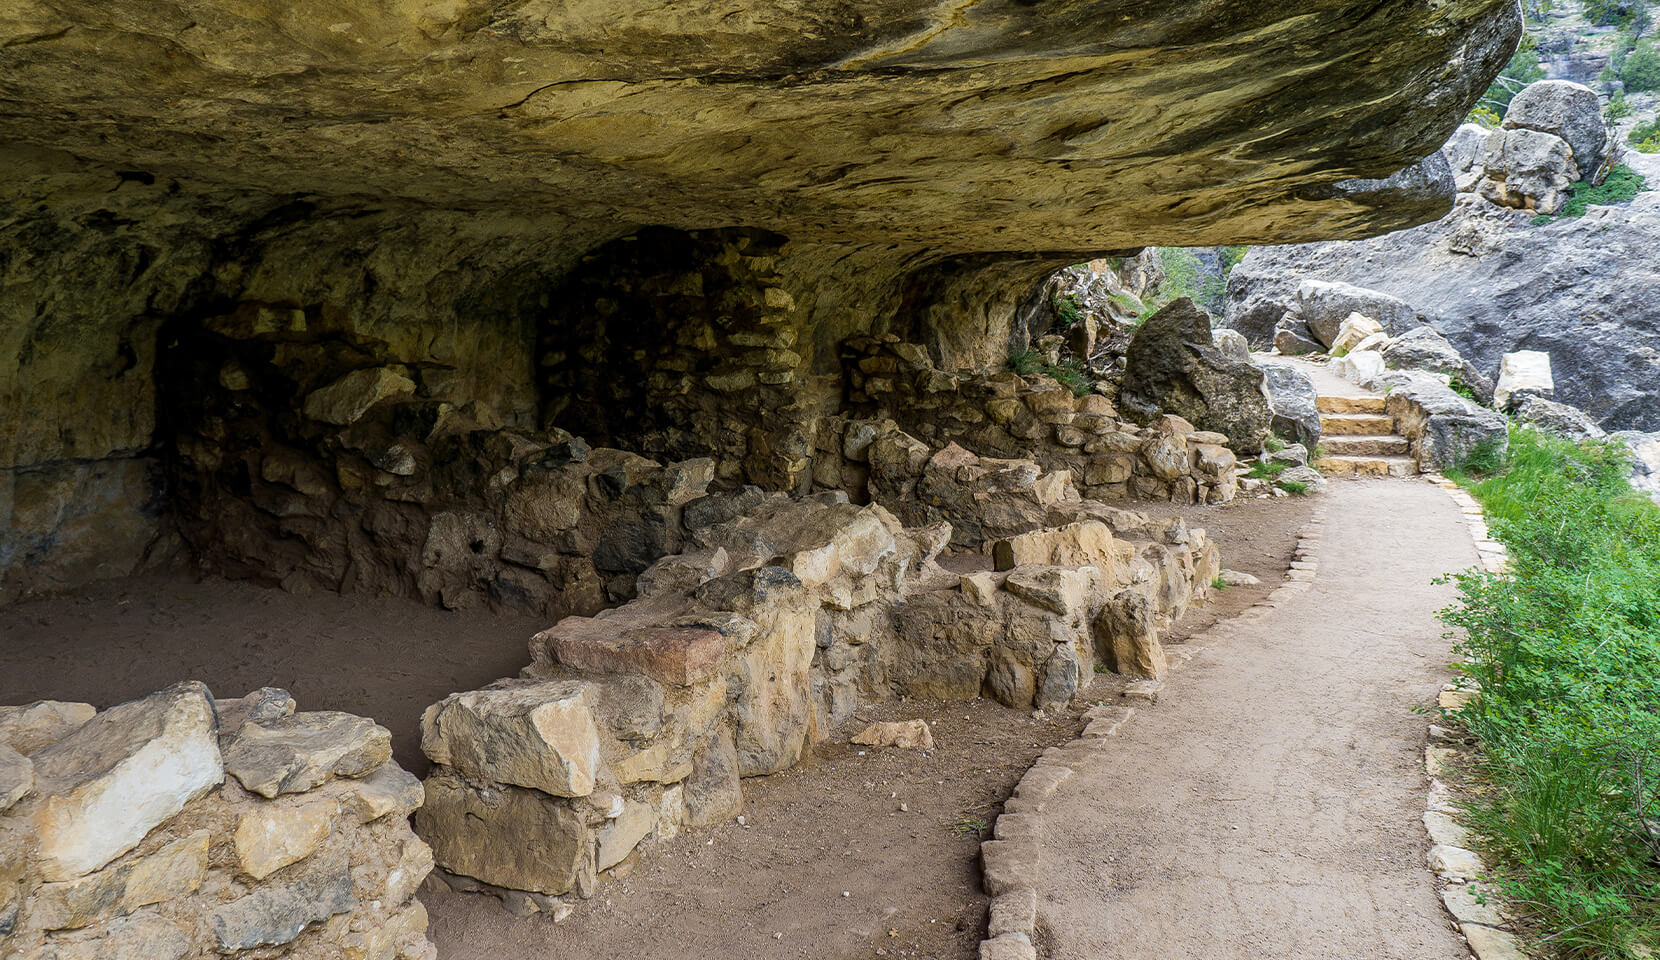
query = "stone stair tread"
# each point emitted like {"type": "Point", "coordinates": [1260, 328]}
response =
{"type": "Point", "coordinates": [1357, 424]}
{"type": "Point", "coordinates": [1349, 403]}
{"type": "Point", "coordinates": [1380, 465]}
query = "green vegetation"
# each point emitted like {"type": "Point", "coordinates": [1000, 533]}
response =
{"type": "Point", "coordinates": [1627, 14]}
{"type": "Point", "coordinates": [1068, 373]}
{"type": "Point", "coordinates": [1458, 386]}
{"type": "Point", "coordinates": [1618, 109]}
{"type": "Point", "coordinates": [1296, 488]}
{"type": "Point", "coordinates": [1645, 136]}
{"type": "Point", "coordinates": [1522, 70]}
{"type": "Point", "coordinates": [1067, 311]}
{"type": "Point", "coordinates": [1641, 70]}
{"type": "Point", "coordinates": [1218, 584]}
{"type": "Point", "coordinates": [1275, 443]}
{"type": "Point", "coordinates": [1266, 470]}
{"type": "Point", "coordinates": [1621, 184]}
{"type": "Point", "coordinates": [1185, 276]}
{"type": "Point", "coordinates": [1565, 648]}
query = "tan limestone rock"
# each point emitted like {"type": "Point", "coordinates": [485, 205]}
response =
{"type": "Point", "coordinates": [35, 725]}
{"type": "Point", "coordinates": [506, 836]}
{"type": "Point", "coordinates": [905, 734]}
{"type": "Point", "coordinates": [346, 400]}
{"type": "Point", "coordinates": [173, 871]}
{"type": "Point", "coordinates": [294, 754]}
{"type": "Point", "coordinates": [17, 776]}
{"type": "Point", "coordinates": [385, 941]}
{"type": "Point", "coordinates": [619, 837]}
{"type": "Point", "coordinates": [1086, 543]}
{"type": "Point", "coordinates": [272, 836]}
{"type": "Point", "coordinates": [389, 790]}
{"type": "Point", "coordinates": [105, 785]}
{"type": "Point", "coordinates": [538, 735]}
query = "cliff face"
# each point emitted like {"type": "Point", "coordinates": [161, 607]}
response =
{"type": "Point", "coordinates": [651, 224]}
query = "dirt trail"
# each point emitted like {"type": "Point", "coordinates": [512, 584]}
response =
{"type": "Point", "coordinates": [1269, 804]}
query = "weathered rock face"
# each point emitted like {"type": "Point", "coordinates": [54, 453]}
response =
{"type": "Point", "coordinates": [1492, 283]}
{"type": "Point", "coordinates": [132, 843]}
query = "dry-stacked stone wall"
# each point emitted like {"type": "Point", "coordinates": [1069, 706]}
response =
{"type": "Point", "coordinates": [177, 826]}
{"type": "Point", "coordinates": [1008, 415]}
{"type": "Point", "coordinates": [779, 618]}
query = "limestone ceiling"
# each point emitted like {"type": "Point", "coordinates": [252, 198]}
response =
{"type": "Point", "coordinates": [957, 126]}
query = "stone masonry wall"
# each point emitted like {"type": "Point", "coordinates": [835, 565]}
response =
{"type": "Point", "coordinates": [178, 827]}
{"type": "Point", "coordinates": [780, 617]}
{"type": "Point", "coordinates": [1007, 415]}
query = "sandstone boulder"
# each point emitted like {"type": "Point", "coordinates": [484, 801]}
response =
{"type": "Point", "coordinates": [1570, 111]}
{"type": "Point", "coordinates": [109, 782]}
{"type": "Point", "coordinates": [294, 754]}
{"type": "Point", "coordinates": [621, 834]}
{"type": "Point", "coordinates": [1464, 154]}
{"type": "Point", "coordinates": [538, 735]}
{"type": "Point", "coordinates": [1128, 625]}
{"type": "Point", "coordinates": [1523, 372]}
{"type": "Point", "coordinates": [1353, 331]}
{"type": "Point", "coordinates": [1360, 368]}
{"type": "Point", "coordinates": [1291, 401]}
{"type": "Point", "coordinates": [270, 837]}
{"type": "Point", "coordinates": [1293, 338]}
{"type": "Point", "coordinates": [712, 794]}
{"type": "Point", "coordinates": [1173, 366]}
{"type": "Point", "coordinates": [1528, 170]}
{"type": "Point", "coordinates": [1086, 543]}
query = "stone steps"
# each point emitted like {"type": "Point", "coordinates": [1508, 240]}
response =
{"type": "Point", "coordinates": [1341, 404]}
{"type": "Point", "coordinates": [1367, 466]}
{"type": "Point", "coordinates": [1356, 424]}
{"type": "Point", "coordinates": [1386, 445]}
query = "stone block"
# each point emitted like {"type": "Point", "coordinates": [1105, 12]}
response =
{"type": "Point", "coordinates": [347, 399]}
{"type": "Point", "coordinates": [109, 782]}
{"type": "Point", "coordinates": [275, 915]}
{"type": "Point", "coordinates": [1085, 543]}
{"type": "Point", "coordinates": [172, 871]}
{"type": "Point", "coordinates": [673, 655]}
{"type": "Point", "coordinates": [1050, 402]}
{"type": "Point", "coordinates": [619, 837]}
{"type": "Point", "coordinates": [1008, 865]}
{"type": "Point", "coordinates": [297, 753]}
{"type": "Point", "coordinates": [1009, 946]}
{"type": "Point", "coordinates": [384, 941]}
{"type": "Point", "coordinates": [271, 836]}
{"type": "Point", "coordinates": [40, 724]}
{"type": "Point", "coordinates": [537, 735]}
{"type": "Point", "coordinates": [981, 588]}
{"type": "Point", "coordinates": [1128, 635]}
{"type": "Point", "coordinates": [1057, 589]}
{"type": "Point", "coordinates": [17, 776]}
{"type": "Point", "coordinates": [506, 836]}
{"type": "Point", "coordinates": [1013, 912]}
{"type": "Point", "coordinates": [773, 706]}
{"type": "Point", "coordinates": [711, 794]}
{"type": "Point", "coordinates": [389, 790]}
{"type": "Point", "coordinates": [145, 936]}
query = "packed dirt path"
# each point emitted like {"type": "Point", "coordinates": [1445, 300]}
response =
{"type": "Point", "coordinates": [1269, 804]}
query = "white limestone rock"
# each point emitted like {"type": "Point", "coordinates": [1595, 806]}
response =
{"type": "Point", "coordinates": [1525, 371]}
{"type": "Point", "coordinates": [132, 767]}
{"type": "Point", "coordinates": [294, 754]}
{"type": "Point", "coordinates": [537, 735]}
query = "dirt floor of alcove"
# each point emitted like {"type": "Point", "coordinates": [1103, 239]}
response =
{"type": "Point", "coordinates": [772, 887]}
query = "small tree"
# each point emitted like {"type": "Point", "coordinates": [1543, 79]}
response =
{"type": "Point", "coordinates": [1642, 68]}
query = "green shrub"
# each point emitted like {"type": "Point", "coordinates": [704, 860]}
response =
{"type": "Point", "coordinates": [1266, 470]}
{"type": "Point", "coordinates": [1072, 375]}
{"type": "Point", "coordinates": [1645, 136]}
{"type": "Point", "coordinates": [1642, 68]}
{"type": "Point", "coordinates": [1621, 184]}
{"type": "Point", "coordinates": [1618, 109]}
{"type": "Point", "coordinates": [1067, 311]}
{"type": "Point", "coordinates": [1026, 362]}
{"type": "Point", "coordinates": [1565, 648]}
{"type": "Point", "coordinates": [1296, 488]}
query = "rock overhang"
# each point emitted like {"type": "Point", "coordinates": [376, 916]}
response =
{"type": "Point", "coordinates": [998, 126]}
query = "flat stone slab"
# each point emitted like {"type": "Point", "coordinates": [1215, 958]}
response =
{"type": "Point", "coordinates": [294, 754]}
{"type": "Point", "coordinates": [675, 655]}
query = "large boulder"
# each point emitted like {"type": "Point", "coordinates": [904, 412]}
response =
{"type": "Point", "coordinates": [1443, 427]}
{"type": "Point", "coordinates": [1173, 366]}
{"type": "Point", "coordinates": [1424, 348]}
{"type": "Point", "coordinates": [1570, 111]}
{"type": "Point", "coordinates": [1553, 417]}
{"type": "Point", "coordinates": [1528, 170]}
{"type": "Point", "coordinates": [1464, 155]}
{"type": "Point", "coordinates": [1645, 460]}
{"type": "Point", "coordinates": [1292, 401]}
{"type": "Point", "coordinates": [1324, 305]}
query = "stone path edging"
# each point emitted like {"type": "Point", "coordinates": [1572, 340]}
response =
{"type": "Point", "coordinates": [1484, 928]}
{"type": "Point", "coordinates": [1010, 862]}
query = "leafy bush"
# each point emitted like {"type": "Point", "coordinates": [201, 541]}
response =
{"type": "Point", "coordinates": [1068, 373]}
{"type": "Point", "coordinates": [1618, 109]}
{"type": "Point", "coordinates": [1642, 68]}
{"type": "Point", "coordinates": [1646, 136]}
{"type": "Point", "coordinates": [1629, 14]}
{"type": "Point", "coordinates": [1067, 311]}
{"type": "Point", "coordinates": [1621, 184]}
{"type": "Point", "coordinates": [1565, 648]}
{"type": "Point", "coordinates": [1026, 362]}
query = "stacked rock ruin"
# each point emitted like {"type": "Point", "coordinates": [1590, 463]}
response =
{"type": "Point", "coordinates": [123, 838]}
